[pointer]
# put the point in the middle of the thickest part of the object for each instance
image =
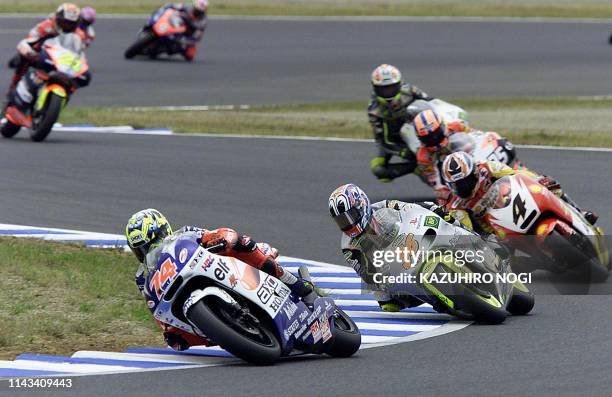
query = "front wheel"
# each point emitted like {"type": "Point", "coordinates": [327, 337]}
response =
{"type": "Point", "coordinates": [521, 302]}
{"type": "Point", "coordinates": [254, 343]}
{"type": "Point", "coordinates": [347, 338]}
{"type": "Point", "coordinates": [43, 121]}
{"type": "Point", "coordinates": [9, 130]}
{"type": "Point", "coordinates": [141, 43]}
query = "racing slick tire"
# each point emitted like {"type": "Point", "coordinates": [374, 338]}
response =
{"type": "Point", "coordinates": [50, 114]}
{"type": "Point", "coordinates": [210, 318]}
{"type": "Point", "coordinates": [347, 338]}
{"type": "Point", "coordinates": [521, 303]}
{"type": "Point", "coordinates": [140, 44]}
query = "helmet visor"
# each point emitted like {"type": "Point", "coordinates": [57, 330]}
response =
{"type": "Point", "coordinates": [387, 91]}
{"type": "Point", "coordinates": [349, 219]}
{"type": "Point", "coordinates": [464, 187]}
{"type": "Point", "coordinates": [67, 26]}
{"type": "Point", "coordinates": [140, 252]}
{"type": "Point", "coordinates": [435, 138]}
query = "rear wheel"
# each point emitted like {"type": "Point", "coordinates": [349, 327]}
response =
{"type": "Point", "coordinates": [43, 121]}
{"type": "Point", "coordinates": [255, 343]}
{"type": "Point", "coordinates": [577, 256]}
{"type": "Point", "coordinates": [141, 43]}
{"type": "Point", "coordinates": [347, 338]}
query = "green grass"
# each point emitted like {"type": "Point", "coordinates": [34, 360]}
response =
{"type": "Point", "coordinates": [518, 8]}
{"type": "Point", "coordinates": [60, 298]}
{"type": "Point", "coordinates": [549, 121]}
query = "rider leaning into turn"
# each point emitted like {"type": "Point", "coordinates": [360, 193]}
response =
{"type": "Point", "coordinates": [21, 98]}
{"type": "Point", "coordinates": [146, 231]}
{"type": "Point", "coordinates": [350, 208]}
{"type": "Point", "coordinates": [387, 113]}
{"type": "Point", "coordinates": [434, 133]}
{"type": "Point", "coordinates": [64, 20]}
{"type": "Point", "coordinates": [194, 17]}
{"type": "Point", "coordinates": [470, 180]}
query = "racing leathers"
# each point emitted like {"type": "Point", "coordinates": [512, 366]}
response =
{"type": "Point", "coordinates": [28, 48]}
{"type": "Point", "coordinates": [226, 242]}
{"type": "Point", "coordinates": [195, 28]}
{"type": "Point", "coordinates": [429, 160]}
{"type": "Point", "coordinates": [470, 211]}
{"type": "Point", "coordinates": [21, 98]}
{"type": "Point", "coordinates": [359, 251]}
{"type": "Point", "coordinates": [387, 119]}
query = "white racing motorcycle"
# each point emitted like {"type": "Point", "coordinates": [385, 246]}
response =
{"type": "Point", "coordinates": [451, 268]}
{"type": "Point", "coordinates": [249, 313]}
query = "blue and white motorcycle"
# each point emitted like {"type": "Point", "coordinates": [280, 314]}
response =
{"type": "Point", "coordinates": [247, 312]}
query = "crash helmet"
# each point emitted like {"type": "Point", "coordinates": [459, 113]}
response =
{"type": "Point", "coordinates": [145, 230]}
{"type": "Point", "coordinates": [199, 8]}
{"type": "Point", "coordinates": [430, 129]}
{"type": "Point", "coordinates": [88, 15]}
{"type": "Point", "coordinates": [386, 82]}
{"type": "Point", "coordinates": [460, 172]}
{"type": "Point", "coordinates": [350, 208]}
{"type": "Point", "coordinates": [67, 17]}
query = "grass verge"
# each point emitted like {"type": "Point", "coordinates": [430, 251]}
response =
{"type": "Point", "coordinates": [546, 121]}
{"type": "Point", "coordinates": [492, 8]}
{"type": "Point", "coordinates": [60, 298]}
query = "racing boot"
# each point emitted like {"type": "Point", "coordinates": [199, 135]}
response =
{"type": "Point", "coordinates": [302, 288]}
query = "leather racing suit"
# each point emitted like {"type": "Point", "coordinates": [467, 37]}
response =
{"type": "Point", "coordinates": [387, 120]}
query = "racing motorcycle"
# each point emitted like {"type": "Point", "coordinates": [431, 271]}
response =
{"type": "Point", "coordinates": [486, 146]}
{"type": "Point", "coordinates": [64, 61]}
{"type": "Point", "coordinates": [564, 240]}
{"type": "Point", "coordinates": [443, 274]}
{"type": "Point", "coordinates": [161, 35]}
{"type": "Point", "coordinates": [247, 312]}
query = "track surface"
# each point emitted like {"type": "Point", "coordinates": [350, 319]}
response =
{"type": "Point", "coordinates": [276, 190]}
{"type": "Point", "coordinates": [255, 62]}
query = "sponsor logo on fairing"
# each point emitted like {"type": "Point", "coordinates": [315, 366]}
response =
{"type": "Point", "coordinates": [272, 294]}
{"type": "Point", "coordinates": [222, 270]}
{"type": "Point", "coordinates": [291, 329]}
{"type": "Point", "coordinates": [183, 255]}
{"type": "Point", "coordinates": [316, 331]}
{"type": "Point", "coordinates": [289, 309]}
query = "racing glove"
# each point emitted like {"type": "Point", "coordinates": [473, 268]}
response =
{"type": "Point", "coordinates": [551, 184]}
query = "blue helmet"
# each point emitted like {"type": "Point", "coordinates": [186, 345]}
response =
{"type": "Point", "coordinates": [350, 207]}
{"type": "Point", "coordinates": [144, 229]}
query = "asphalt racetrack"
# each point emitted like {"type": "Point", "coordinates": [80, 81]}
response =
{"type": "Point", "coordinates": [276, 190]}
{"type": "Point", "coordinates": [266, 62]}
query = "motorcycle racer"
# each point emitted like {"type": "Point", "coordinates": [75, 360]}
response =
{"type": "Point", "coordinates": [64, 20]}
{"type": "Point", "coordinates": [86, 29]}
{"type": "Point", "coordinates": [195, 19]}
{"type": "Point", "coordinates": [146, 231]}
{"type": "Point", "coordinates": [434, 133]}
{"type": "Point", "coordinates": [387, 113]}
{"type": "Point", "coordinates": [350, 208]}
{"type": "Point", "coordinates": [20, 99]}
{"type": "Point", "coordinates": [470, 180]}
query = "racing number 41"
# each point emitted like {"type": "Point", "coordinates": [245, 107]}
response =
{"type": "Point", "coordinates": [166, 271]}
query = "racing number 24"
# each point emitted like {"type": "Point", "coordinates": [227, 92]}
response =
{"type": "Point", "coordinates": [166, 271]}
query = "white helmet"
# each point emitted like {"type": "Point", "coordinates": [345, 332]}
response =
{"type": "Point", "coordinates": [386, 81]}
